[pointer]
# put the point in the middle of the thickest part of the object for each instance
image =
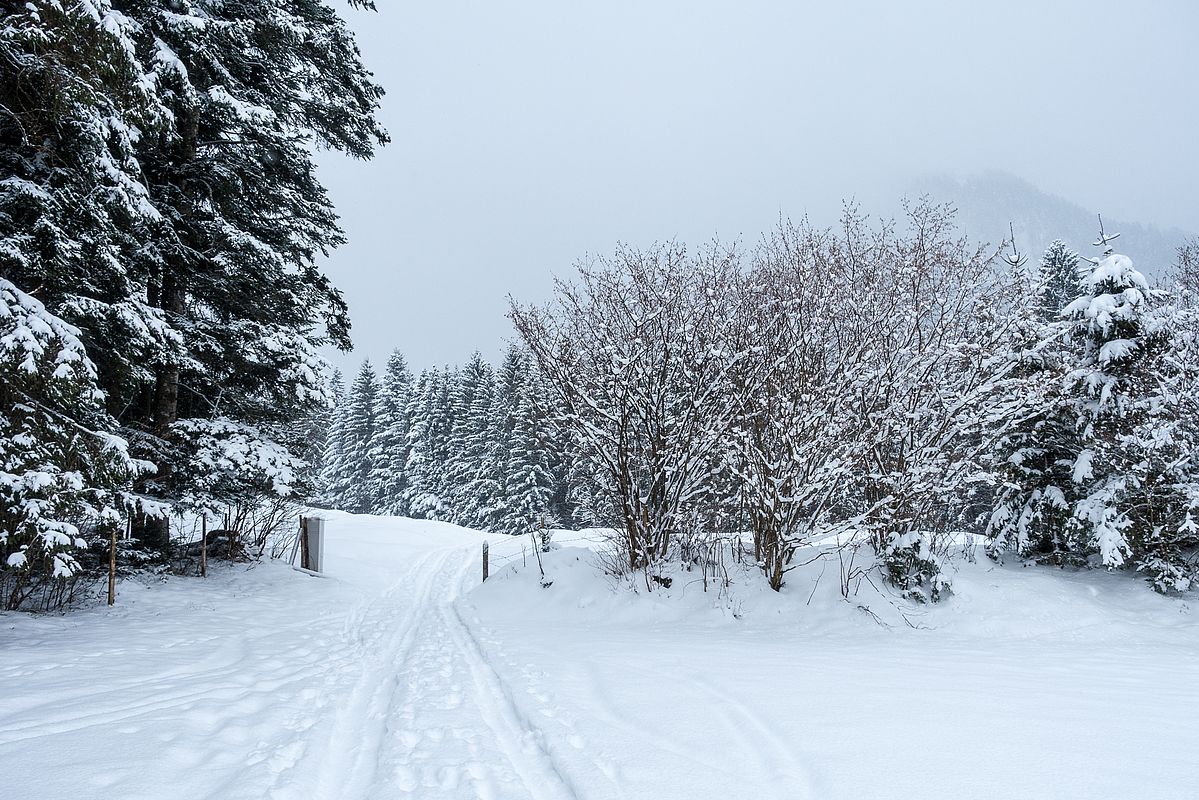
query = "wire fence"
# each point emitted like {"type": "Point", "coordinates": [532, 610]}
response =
{"type": "Point", "coordinates": [527, 547]}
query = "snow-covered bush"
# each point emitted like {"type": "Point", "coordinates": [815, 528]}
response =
{"type": "Point", "coordinates": [63, 474]}
{"type": "Point", "coordinates": [841, 383]}
{"type": "Point", "coordinates": [914, 564]}
{"type": "Point", "coordinates": [639, 356]}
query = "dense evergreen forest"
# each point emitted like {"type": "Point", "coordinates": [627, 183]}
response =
{"type": "Point", "coordinates": [475, 446]}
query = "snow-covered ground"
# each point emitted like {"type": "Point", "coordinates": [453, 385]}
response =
{"type": "Point", "coordinates": [399, 676]}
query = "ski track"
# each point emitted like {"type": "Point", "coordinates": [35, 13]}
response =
{"type": "Point", "coordinates": [523, 744]}
{"type": "Point", "coordinates": [565, 744]}
{"type": "Point", "coordinates": [351, 755]}
{"type": "Point", "coordinates": [427, 716]}
{"type": "Point", "coordinates": [785, 775]}
{"type": "Point", "coordinates": [390, 698]}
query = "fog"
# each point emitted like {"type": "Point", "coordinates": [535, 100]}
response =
{"type": "Point", "coordinates": [529, 135]}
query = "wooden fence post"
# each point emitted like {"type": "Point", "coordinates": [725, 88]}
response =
{"type": "Point", "coordinates": [305, 556]}
{"type": "Point", "coordinates": [112, 566]}
{"type": "Point", "coordinates": [204, 546]}
{"type": "Point", "coordinates": [485, 560]}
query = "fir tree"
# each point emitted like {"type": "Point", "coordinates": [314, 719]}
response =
{"type": "Point", "coordinates": [1120, 346]}
{"type": "Point", "coordinates": [160, 195]}
{"type": "Point", "coordinates": [333, 452]}
{"type": "Point", "coordinates": [1035, 449]}
{"type": "Point", "coordinates": [246, 89]}
{"type": "Point", "coordinates": [1059, 281]}
{"type": "Point", "coordinates": [76, 219]}
{"type": "Point", "coordinates": [528, 482]}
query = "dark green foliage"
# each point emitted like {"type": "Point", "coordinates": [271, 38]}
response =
{"type": "Point", "coordinates": [158, 193]}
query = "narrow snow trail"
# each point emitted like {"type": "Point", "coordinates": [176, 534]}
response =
{"type": "Point", "coordinates": [448, 730]}
{"type": "Point", "coordinates": [266, 683]}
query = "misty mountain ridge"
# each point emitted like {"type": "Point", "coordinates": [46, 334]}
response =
{"type": "Point", "coordinates": [987, 203]}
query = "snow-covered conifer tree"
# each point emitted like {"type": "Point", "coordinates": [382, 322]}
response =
{"type": "Point", "coordinates": [1133, 396]}
{"type": "Point", "coordinates": [1037, 438]}
{"type": "Point", "coordinates": [1058, 281]}
{"type": "Point", "coordinates": [64, 474]}
{"type": "Point", "coordinates": [245, 93]}
{"type": "Point", "coordinates": [528, 488]}
{"type": "Point", "coordinates": [525, 452]}
{"type": "Point", "coordinates": [358, 427]}
{"type": "Point", "coordinates": [425, 465]}
{"type": "Point", "coordinates": [470, 489]}
{"type": "Point", "coordinates": [391, 447]}
{"type": "Point", "coordinates": [334, 453]}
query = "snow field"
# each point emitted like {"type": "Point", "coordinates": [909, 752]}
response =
{"type": "Point", "coordinates": [398, 676]}
{"type": "Point", "coordinates": [1026, 683]}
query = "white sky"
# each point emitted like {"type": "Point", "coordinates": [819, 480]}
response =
{"type": "Point", "coordinates": [529, 134]}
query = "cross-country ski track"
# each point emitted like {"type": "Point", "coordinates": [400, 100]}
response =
{"type": "Point", "coordinates": [396, 675]}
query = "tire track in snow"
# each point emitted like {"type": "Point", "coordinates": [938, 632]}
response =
{"type": "Point", "coordinates": [521, 742]}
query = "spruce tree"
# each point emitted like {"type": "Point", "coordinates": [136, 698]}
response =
{"type": "Point", "coordinates": [354, 485]}
{"type": "Point", "coordinates": [528, 482]}
{"type": "Point", "coordinates": [160, 195]}
{"type": "Point", "coordinates": [392, 446]}
{"type": "Point", "coordinates": [1059, 281]}
{"type": "Point", "coordinates": [333, 454]}
{"type": "Point", "coordinates": [1035, 448]}
{"type": "Point", "coordinates": [64, 475]}
{"type": "Point", "coordinates": [76, 219]}
{"type": "Point", "coordinates": [425, 465]}
{"type": "Point", "coordinates": [1114, 387]}
{"type": "Point", "coordinates": [471, 489]}
{"type": "Point", "coordinates": [247, 89]}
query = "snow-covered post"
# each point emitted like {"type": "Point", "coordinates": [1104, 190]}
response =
{"type": "Point", "coordinates": [486, 558]}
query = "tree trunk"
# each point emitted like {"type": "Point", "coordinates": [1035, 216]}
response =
{"type": "Point", "coordinates": [166, 386]}
{"type": "Point", "coordinates": [152, 533]}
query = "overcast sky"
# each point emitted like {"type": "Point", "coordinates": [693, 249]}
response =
{"type": "Point", "coordinates": [527, 135]}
